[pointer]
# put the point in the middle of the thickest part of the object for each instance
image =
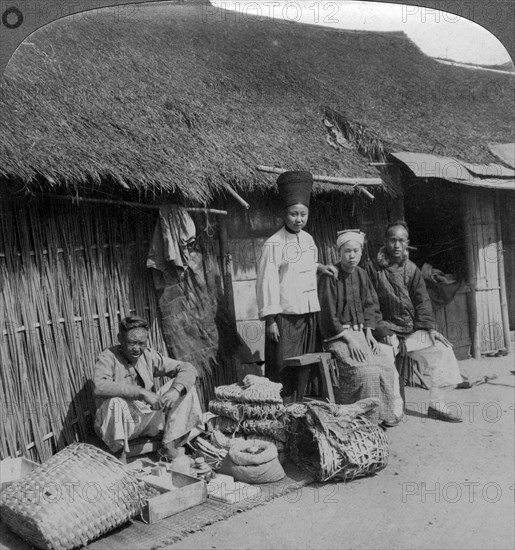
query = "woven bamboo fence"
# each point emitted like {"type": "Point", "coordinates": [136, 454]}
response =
{"type": "Point", "coordinates": [328, 215]}
{"type": "Point", "coordinates": [483, 243]}
{"type": "Point", "coordinates": [67, 275]}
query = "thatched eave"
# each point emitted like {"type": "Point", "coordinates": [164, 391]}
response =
{"type": "Point", "coordinates": [165, 101]}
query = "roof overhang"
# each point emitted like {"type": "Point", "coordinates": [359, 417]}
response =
{"type": "Point", "coordinates": [504, 152]}
{"type": "Point", "coordinates": [426, 166]}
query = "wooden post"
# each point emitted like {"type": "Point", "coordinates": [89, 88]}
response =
{"type": "Point", "coordinates": [226, 260]}
{"type": "Point", "coordinates": [226, 268]}
{"type": "Point", "coordinates": [502, 277]}
{"type": "Point", "coordinates": [470, 198]}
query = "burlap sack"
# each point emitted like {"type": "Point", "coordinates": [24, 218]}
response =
{"type": "Point", "coordinates": [262, 466]}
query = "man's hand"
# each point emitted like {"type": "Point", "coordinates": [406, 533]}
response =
{"type": "Point", "coordinates": [330, 270]}
{"type": "Point", "coordinates": [437, 337]}
{"type": "Point", "coordinates": [152, 399]}
{"type": "Point", "coordinates": [170, 398]}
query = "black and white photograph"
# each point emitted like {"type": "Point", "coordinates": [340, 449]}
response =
{"type": "Point", "coordinates": [257, 274]}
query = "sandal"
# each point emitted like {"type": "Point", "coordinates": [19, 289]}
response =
{"type": "Point", "coordinates": [499, 353]}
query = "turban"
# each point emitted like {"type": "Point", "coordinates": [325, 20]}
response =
{"type": "Point", "coordinates": [294, 188]}
{"type": "Point", "coordinates": [350, 235]}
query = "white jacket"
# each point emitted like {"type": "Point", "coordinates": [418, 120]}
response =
{"type": "Point", "coordinates": [286, 274]}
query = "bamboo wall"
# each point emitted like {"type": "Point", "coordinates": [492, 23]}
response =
{"type": "Point", "coordinates": [67, 275]}
{"type": "Point", "coordinates": [507, 203]}
{"type": "Point", "coordinates": [483, 270]}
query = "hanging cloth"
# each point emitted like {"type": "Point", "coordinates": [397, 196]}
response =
{"type": "Point", "coordinates": [174, 232]}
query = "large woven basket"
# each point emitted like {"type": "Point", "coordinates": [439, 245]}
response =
{"type": "Point", "coordinates": [334, 448]}
{"type": "Point", "coordinates": [74, 497]}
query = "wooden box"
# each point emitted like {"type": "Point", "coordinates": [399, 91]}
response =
{"type": "Point", "coordinates": [14, 469]}
{"type": "Point", "coordinates": [187, 492]}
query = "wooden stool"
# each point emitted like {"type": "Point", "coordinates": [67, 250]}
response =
{"type": "Point", "coordinates": [144, 445]}
{"type": "Point", "coordinates": [303, 363]}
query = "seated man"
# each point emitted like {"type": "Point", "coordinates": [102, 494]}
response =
{"type": "Point", "coordinates": [128, 406]}
{"type": "Point", "coordinates": [349, 310]}
{"type": "Point", "coordinates": [408, 319]}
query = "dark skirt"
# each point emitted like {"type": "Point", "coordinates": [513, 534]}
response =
{"type": "Point", "coordinates": [297, 337]}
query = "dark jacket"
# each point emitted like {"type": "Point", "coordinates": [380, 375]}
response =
{"type": "Point", "coordinates": [403, 298]}
{"type": "Point", "coordinates": [348, 300]}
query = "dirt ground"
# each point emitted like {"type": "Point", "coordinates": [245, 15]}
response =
{"type": "Point", "coordinates": [446, 486]}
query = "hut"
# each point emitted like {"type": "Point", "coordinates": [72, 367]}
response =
{"type": "Point", "coordinates": [459, 213]}
{"type": "Point", "coordinates": [105, 120]}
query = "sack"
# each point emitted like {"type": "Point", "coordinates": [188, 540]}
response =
{"type": "Point", "coordinates": [253, 461]}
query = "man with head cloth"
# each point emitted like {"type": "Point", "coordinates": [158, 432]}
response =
{"type": "Point", "coordinates": [286, 288]}
{"type": "Point", "coordinates": [408, 318]}
{"type": "Point", "coordinates": [349, 312]}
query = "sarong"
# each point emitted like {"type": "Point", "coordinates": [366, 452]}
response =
{"type": "Point", "coordinates": [376, 377]}
{"type": "Point", "coordinates": [435, 360]}
{"type": "Point", "coordinates": [297, 337]}
{"type": "Point", "coordinates": [118, 420]}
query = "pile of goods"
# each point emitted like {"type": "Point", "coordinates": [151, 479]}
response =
{"type": "Point", "coordinates": [74, 497]}
{"type": "Point", "coordinates": [336, 442]}
{"type": "Point", "coordinates": [253, 410]}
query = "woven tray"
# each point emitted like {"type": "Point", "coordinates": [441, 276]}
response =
{"type": "Point", "coordinates": [74, 497]}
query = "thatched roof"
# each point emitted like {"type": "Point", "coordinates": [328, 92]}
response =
{"type": "Point", "coordinates": [179, 98]}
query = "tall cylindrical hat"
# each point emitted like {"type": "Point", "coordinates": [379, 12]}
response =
{"type": "Point", "coordinates": [295, 187]}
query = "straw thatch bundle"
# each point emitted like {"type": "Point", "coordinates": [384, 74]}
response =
{"type": "Point", "coordinates": [274, 429]}
{"type": "Point", "coordinates": [252, 409]}
{"type": "Point", "coordinates": [243, 411]}
{"type": "Point", "coordinates": [255, 389]}
{"type": "Point", "coordinates": [335, 442]}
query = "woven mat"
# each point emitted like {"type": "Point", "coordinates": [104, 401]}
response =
{"type": "Point", "coordinates": [167, 531]}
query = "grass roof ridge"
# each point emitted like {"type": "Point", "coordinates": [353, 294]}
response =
{"type": "Point", "coordinates": [175, 104]}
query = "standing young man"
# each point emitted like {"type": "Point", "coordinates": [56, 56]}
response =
{"type": "Point", "coordinates": [408, 319]}
{"type": "Point", "coordinates": [286, 286]}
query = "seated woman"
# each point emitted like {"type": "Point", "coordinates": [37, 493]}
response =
{"type": "Point", "coordinates": [349, 311]}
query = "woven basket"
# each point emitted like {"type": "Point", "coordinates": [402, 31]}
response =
{"type": "Point", "coordinates": [74, 497]}
{"type": "Point", "coordinates": [358, 448]}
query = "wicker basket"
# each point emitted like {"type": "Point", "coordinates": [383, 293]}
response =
{"type": "Point", "coordinates": [74, 497]}
{"type": "Point", "coordinates": [331, 448]}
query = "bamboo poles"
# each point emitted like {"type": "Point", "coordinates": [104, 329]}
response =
{"type": "Point", "coordinates": [141, 205]}
{"type": "Point", "coordinates": [484, 273]}
{"type": "Point", "coordinates": [502, 277]}
{"type": "Point", "coordinates": [66, 277]}
{"type": "Point", "coordinates": [475, 333]}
